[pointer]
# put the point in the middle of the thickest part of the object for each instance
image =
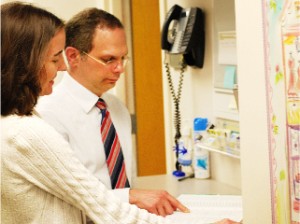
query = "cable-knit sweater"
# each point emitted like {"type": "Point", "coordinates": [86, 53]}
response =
{"type": "Point", "coordinates": [43, 182]}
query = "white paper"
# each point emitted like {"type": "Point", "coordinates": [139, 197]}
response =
{"type": "Point", "coordinates": [227, 48]}
{"type": "Point", "coordinates": [208, 209]}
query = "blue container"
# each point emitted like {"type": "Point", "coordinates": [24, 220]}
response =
{"type": "Point", "coordinates": [200, 125]}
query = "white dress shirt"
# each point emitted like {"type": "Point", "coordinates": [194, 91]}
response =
{"type": "Point", "coordinates": [71, 110]}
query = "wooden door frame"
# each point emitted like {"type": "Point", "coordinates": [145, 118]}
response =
{"type": "Point", "coordinates": [147, 68]}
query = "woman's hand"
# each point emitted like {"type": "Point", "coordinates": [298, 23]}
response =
{"type": "Point", "coordinates": [227, 221]}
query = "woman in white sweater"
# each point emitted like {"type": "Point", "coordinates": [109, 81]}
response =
{"type": "Point", "coordinates": [42, 181]}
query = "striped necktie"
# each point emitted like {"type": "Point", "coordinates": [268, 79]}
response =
{"type": "Point", "coordinates": [113, 151]}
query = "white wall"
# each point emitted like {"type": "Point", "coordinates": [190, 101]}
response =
{"type": "Point", "coordinates": [253, 113]}
{"type": "Point", "coordinates": [63, 9]}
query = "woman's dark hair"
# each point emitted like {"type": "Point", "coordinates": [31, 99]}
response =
{"type": "Point", "coordinates": [80, 29]}
{"type": "Point", "coordinates": [26, 32]}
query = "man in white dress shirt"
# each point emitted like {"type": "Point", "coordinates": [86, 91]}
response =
{"type": "Point", "coordinates": [96, 51]}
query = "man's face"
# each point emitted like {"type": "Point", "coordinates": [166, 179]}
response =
{"type": "Point", "coordinates": [108, 46]}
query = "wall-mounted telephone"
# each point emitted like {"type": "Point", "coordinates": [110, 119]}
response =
{"type": "Point", "coordinates": [183, 33]}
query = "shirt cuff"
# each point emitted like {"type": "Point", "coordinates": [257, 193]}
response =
{"type": "Point", "coordinates": [122, 194]}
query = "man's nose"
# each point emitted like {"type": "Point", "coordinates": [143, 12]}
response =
{"type": "Point", "coordinates": [120, 67]}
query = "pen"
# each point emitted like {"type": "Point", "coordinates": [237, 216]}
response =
{"type": "Point", "coordinates": [186, 177]}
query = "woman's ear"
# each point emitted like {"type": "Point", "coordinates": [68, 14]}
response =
{"type": "Point", "coordinates": [73, 56]}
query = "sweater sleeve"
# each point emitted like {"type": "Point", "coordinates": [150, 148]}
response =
{"type": "Point", "coordinates": [46, 160]}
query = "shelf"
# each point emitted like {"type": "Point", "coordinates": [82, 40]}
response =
{"type": "Point", "coordinates": [223, 90]}
{"type": "Point", "coordinates": [219, 151]}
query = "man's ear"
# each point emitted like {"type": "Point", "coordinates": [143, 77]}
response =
{"type": "Point", "coordinates": [73, 56]}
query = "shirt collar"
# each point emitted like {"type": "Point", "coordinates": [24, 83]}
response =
{"type": "Point", "coordinates": [85, 98]}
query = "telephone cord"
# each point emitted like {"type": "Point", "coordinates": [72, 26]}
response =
{"type": "Point", "coordinates": [176, 99]}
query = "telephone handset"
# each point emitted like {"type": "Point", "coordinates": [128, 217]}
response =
{"type": "Point", "coordinates": [183, 33]}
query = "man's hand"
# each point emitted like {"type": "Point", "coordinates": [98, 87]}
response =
{"type": "Point", "coordinates": [159, 202]}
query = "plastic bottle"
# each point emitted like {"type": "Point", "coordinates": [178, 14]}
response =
{"type": "Point", "coordinates": [201, 163]}
{"type": "Point", "coordinates": [201, 155]}
{"type": "Point", "coordinates": [185, 146]}
{"type": "Point", "coordinates": [200, 125]}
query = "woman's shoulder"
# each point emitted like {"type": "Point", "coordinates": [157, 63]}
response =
{"type": "Point", "coordinates": [16, 120]}
{"type": "Point", "coordinates": [32, 131]}
{"type": "Point", "coordinates": [16, 125]}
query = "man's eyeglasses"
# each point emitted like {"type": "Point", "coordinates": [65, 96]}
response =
{"type": "Point", "coordinates": [111, 62]}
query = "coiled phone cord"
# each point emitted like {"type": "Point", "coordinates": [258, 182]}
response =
{"type": "Point", "coordinates": [176, 101]}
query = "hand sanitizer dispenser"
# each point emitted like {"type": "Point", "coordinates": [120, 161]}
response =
{"type": "Point", "coordinates": [201, 155]}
